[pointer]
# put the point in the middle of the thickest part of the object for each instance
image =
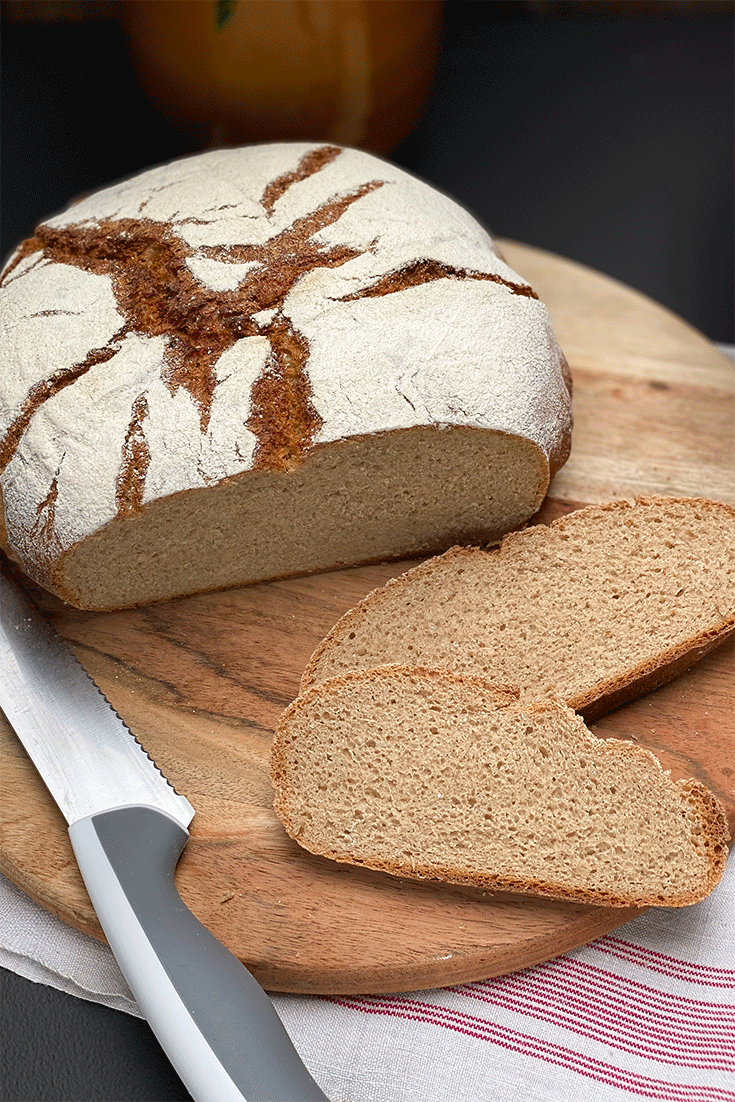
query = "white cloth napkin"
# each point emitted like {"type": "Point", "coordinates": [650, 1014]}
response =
{"type": "Point", "coordinates": [647, 1012]}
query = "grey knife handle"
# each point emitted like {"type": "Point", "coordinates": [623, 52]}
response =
{"type": "Point", "coordinates": [216, 1024]}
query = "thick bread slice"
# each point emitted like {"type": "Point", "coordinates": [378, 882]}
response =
{"type": "Point", "coordinates": [602, 606]}
{"type": "Point", "coordinates": [261, 362]}
{"type": "Point", "coordinates": [423, 773]}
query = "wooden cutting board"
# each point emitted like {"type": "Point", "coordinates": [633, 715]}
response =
{"type": "Point", "coordinates": [201, 681]}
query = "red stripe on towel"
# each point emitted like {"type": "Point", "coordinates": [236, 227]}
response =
{"type": "Point", "coordinates": [525, 1044]}
{"type": "Point", "coordinates": [702, 974]}
{"type": "Point", "coordinates": [665, 1038]}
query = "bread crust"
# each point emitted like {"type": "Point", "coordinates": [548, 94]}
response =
{"type": "Point", "coordinates": [702, 806]}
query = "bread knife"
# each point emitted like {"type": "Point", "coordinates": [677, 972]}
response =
{"type": "Point", "coordinates": [128, 828]}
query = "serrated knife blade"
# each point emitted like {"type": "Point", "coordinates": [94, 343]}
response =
{"type": "Point", "coordinates": [128, 828]}
{"type": "Point", "coordinates": [89, 760]}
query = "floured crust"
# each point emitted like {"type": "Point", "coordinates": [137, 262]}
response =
{"type": "Point", "coordinates": [233, 311]}
{"type": "Point", "coordinates": [302, 728]}
{"type": "Point", "coordinates": [601, 693]}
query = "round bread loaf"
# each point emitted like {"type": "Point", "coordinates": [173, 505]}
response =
{"type": "Point", "coordinates": [263, 362]}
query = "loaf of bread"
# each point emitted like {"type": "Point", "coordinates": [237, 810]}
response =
{"type": "Point", "coordinates": [596, 609]}
{"type": "Point", "coordinates": [424, 773]}
{"type": "Point", "coordinates": [263, 362]}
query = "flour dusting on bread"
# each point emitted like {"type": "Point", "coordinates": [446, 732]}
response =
{"type": "Point", "coordinates": [235, 312]}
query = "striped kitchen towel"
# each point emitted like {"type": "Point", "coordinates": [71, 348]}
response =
{"type": "Point", "coordinates": [647, 1012]}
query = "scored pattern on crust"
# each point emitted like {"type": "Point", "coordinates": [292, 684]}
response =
{"type": "Point", "coordinates": [158, 295]}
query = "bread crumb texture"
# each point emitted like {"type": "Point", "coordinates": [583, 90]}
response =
{"type": "Point", "coordinates": [601, 606]}
{"type": "Point", "coordinates": [233, 314]}
{"type": "Point", "coordinates": [426, 774]}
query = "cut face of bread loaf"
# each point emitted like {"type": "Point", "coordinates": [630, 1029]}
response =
{"type": "Point", "coordinates": [596, 609]}
{"type": "Point", "coordinates": [261, 362]}
{"type": "Point", "coordinates": [422, 773]}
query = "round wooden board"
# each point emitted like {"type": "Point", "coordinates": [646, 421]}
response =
{"type": "Point", "coordinates": [201, 681]}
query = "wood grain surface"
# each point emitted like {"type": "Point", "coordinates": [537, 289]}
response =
{"type": "Point", "coordinates": [202, 680]}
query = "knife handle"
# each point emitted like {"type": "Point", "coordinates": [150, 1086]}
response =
{"type": "Point", "coordinates": [216, 1024]}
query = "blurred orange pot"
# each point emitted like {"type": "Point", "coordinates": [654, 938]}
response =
{"type": "Point", "coordinates": [355, 72]}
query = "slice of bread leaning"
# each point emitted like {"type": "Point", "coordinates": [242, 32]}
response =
{"type": "Point", "coordinates": [597, 609]}
{"type": "Point", "coordinates": [427, 774]}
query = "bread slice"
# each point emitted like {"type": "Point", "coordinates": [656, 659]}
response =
{"type": "Point", "coordinates": [427, 774]}
{"type": "Point", "coordinates": [596, 609]}
{"type": "Point", "coordinates": [262, 362]}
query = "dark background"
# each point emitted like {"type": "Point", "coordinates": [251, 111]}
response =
{"type": "Point", "coordinates": [603, 132]}
{"type": "Point", "coordinates": [605, 137]}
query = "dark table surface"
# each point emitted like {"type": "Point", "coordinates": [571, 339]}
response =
{"type": "Point", "coordinates": [607, 138]}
